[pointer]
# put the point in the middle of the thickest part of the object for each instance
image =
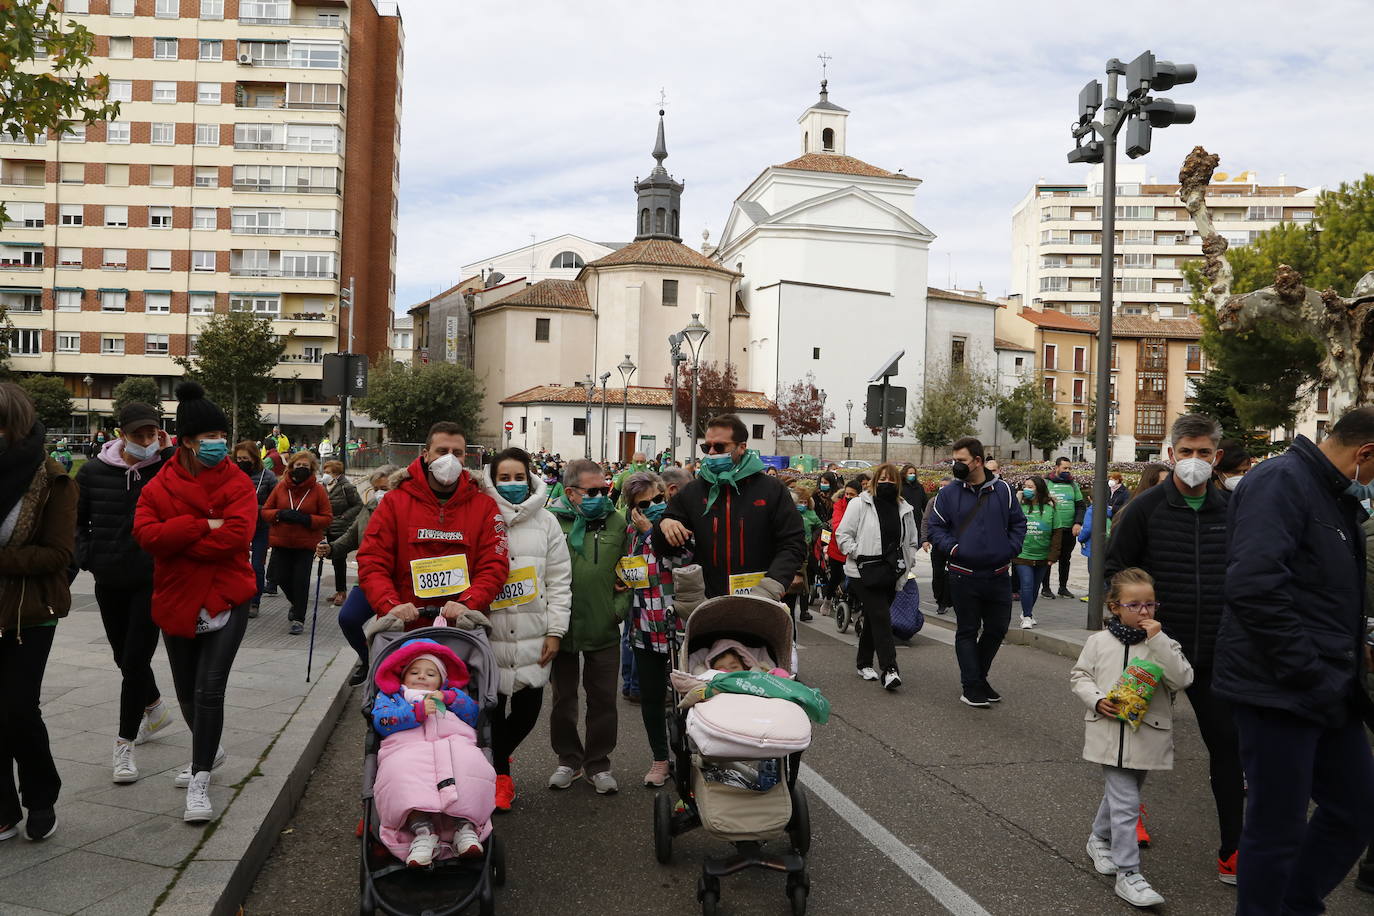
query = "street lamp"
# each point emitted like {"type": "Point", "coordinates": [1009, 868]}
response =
{"type": "Point", "coordinates": [695, 332]}
{"type": "Point", "coordinates": [675, 352]}
{"type": "Point", "coordinates": [587, 423]}
{"type": "Point", "coordinates": [849, 406]}
{"type": "Point", "coordinates": [604, 376]}
{"type": "Point", "coordinates": [821, 457]}
{"type": "Point", "coordinates": [627, 372]}
{"type": "Point", "coordinates": [89, 382]}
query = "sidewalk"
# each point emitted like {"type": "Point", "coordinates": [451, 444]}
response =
{"type": "Point", "coordinates": [124, 849]}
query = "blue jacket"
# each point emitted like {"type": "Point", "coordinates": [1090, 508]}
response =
{"type": "Point", "coordinates": [1085, 534]}
{"type": "Point", "coordinates": [991, 539]}
{"type": "Point", "coordinates": [1292, 631]}
{"type": "Point", "coordinates": [392, 713]}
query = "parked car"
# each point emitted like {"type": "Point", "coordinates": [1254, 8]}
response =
{"type": "Point", "coordinates": [856, 464]}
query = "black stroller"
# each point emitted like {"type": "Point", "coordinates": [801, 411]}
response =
{"type": "Point", "coordinates": [448, 886]}
{"type": "Point", "coordinates": [749, 819]}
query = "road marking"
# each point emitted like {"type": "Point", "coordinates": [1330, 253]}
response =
{"type": "Point", "coordinates": [827, 628]}
{"type": "Point", "coordinates": [946, 892]}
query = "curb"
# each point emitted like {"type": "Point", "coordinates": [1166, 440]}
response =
{"type": "Point", "coordinates": [218, 875]}
{"type": "Point", "coordinates": [1035, 639]}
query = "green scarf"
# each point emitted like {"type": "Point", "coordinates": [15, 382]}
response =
{"type": "Point", "coordinates": [578, 536]}
{"type": "Point", "coordinates": [749, 464]}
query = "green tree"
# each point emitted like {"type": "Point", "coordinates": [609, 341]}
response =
{"type": "Point", "coordinates": [234, 358]}
{"type": "Point", "coordinates": [1026, 413]}
{"type": "Point", "coordinates": [34, 101]}
{"type": "Point", "coordinates": [1214, 394]}
{"type": "Point", "coordinates": [949, 405]}
{"type": "Point", "coordinates": [408, 400]}
{"type": "Point", "coordinates": [137, 388]}
{"type": "Point", "coordinates": [51, 399]}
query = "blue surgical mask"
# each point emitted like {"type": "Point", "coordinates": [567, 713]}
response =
{"type": "Point", "coordinates": [825, 488]}
{"type": "Point", "coordinates": [1361, 491]}
{"type": "Point", "coordinates": [1028, 493]}
{"type": "Point", "coordinates": [719, 463]}
{"type": "Point", "coordinates": [212, 451]}
{"type": "Point", "coordinates": [593, 506]}
{"type": "Point", "coordinates": [655, 511]}
{"type": "Point", "coordinates": [801, 508]}
{"type": "Point", "coordinates": [514, 493]}
{"type": "Point", "coordinates": [140, 452]}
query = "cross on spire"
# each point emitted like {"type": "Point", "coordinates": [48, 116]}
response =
{"type": "Point", "coordinates": [824, 59]}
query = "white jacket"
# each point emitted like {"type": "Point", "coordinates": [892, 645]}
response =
{"type": "Point", "coordinates": [859, 535]}
{"type": "Point", "coordinates": [1110, 740]}
{"type": "Point", "coordinates": [517, 633]}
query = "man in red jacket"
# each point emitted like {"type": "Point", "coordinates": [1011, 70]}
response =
{"type": "Point", "coordinates": [436, 539]}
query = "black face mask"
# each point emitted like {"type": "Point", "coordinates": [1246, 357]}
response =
{"type": "Point", "coordinates": [960, 470]}
{"type": "Point", "coordinates": [887, 490]}
{"type": "Point", "coordinates": [246, 467]}
{"type": "Point", "coordinates": [299, 475]}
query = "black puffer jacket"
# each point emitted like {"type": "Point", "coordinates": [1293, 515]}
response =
{"type": "Point", "coordinates": [1185, 552]}
{"type": "Point", "coordinates": [106, 497]}
{"type": "Point", "coordinates": [345, 503]}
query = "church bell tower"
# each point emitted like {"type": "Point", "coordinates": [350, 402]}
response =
{"type": "Point", "coordinates": [660, 197]}
{"type": "Point", "coordinates": [823, 125]}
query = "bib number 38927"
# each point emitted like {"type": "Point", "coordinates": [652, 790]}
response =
{"type": "Point", "coordinates": [438, 577]}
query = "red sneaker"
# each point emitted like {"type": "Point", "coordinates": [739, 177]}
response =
{"type": "Point", "coordinates": [505, 792]}
{"type": "Point", "coordinates": [1142, 835]}
{"type": "Point", "coordinates": [1226, 869]}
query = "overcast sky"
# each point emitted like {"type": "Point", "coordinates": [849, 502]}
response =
{"type": "Point", "coordinates": [529, 117]}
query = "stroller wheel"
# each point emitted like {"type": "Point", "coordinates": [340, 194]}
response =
{"type": "Point", "coordinates": [486, 903]}
{"type": "Point", "coordinates": [498, 861]}
{"type": "Point", "coordinates": [367, 902]}
{"type": "Point", "coordinates": [799, 829]}
{"type": "Point", "coordinates": [797, 892]}
{"type": "Point", "coordinates": [663, 828]}
{"type": "Point", "coordinates": [708, 892]}
{"type": "Point", "coordinates": [840, 606]}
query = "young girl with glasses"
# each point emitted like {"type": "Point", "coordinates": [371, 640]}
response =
{"type": "Point", "coordinates": [1127, 752]}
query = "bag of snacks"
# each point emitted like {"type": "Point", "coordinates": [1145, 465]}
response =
{"type": "Point", "coordinates": [1133, 691]}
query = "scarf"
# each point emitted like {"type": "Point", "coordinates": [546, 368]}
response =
{"type": "Point", "coordinates": [1128, 635]}
{"type": "Point", "coordinates": [749, 464]}
{"type": "Point", "coordinates": [18, 464]}
{"type": "Point", "coordinates": [577, 537]}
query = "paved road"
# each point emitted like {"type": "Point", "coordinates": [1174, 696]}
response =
{"type": "Point", "coordinates": [978, 812]}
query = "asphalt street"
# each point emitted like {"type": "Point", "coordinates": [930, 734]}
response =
{"type": "Point", "coordinates": [918, 803]}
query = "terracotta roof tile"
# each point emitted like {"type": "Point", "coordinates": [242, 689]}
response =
{"type": "Point", "coordinates": [1057, 321]}
{"type": "Point", "coordinates": [640, 396]}
{"type": "Point", "coordinates": [843, 165]}
{"type": "Point", "coordinates": [1144, 326]}
{"type": "Point", "coordinates": [999, 343]}
{"type": "Point", "coordinates": [660, 253]}
{"type": "Point", "coordinates": [559, 294]}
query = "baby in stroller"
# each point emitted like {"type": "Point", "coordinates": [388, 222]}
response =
{"type": "Point", "coordinates": [435, 790]}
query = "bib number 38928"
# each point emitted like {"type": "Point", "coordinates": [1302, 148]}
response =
{"type": "Point", "coordinates": [521, 587]}
{"type": "Point", "coordinates": [438, 577]}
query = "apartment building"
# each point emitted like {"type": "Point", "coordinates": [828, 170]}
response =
{"type": "Point", "coordinates": [253, 168]}
{"type": "Point", "coordinates": [1056, 262]}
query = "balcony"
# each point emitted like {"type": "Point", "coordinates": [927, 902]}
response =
{"type": "Point", "coordinates": [283, 230]}
{"type": "Point", "coordinates": [284, 188]}
{"type": "Point", "coordinates": [309, 359]}
{"type": "Point", "coordinates": [270, 96]}
{"type": "Point", "coordinates": [283, 274]}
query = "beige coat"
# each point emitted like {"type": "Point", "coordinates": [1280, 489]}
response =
{"type": "Point", "coordinates": [1109, 740]}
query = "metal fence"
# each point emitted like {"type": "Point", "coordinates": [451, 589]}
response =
{"type": "Point", "coordinates": [401, 454]}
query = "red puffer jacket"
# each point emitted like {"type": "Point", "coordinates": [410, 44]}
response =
{"type": "Point", "coordinates": [308, 497]}
{"type": "Point", "coordinates": [409, 524]}
{"type": "Point", "coordinates": [833, 549]}
{"type": "Point", "coordinates": [194, 566]}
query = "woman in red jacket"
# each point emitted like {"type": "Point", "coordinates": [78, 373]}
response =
{"type": "Point", "coordinates": [298, 511]}
{"type": "Point", "coordinates": [196, 518]}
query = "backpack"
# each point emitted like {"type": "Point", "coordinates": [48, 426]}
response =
{"type": "Point", "coordinates": [907, 618]}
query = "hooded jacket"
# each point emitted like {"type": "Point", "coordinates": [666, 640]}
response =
{"type": "Point", "coordinates": [519, 624]}
{"type": "Point", "coordinates": [344, 504]}
{"type": "Point", "coordinates": [34, 588]}
{"type": "Point", "coordinates": [410, 524]}
{"type": "Point", "coordinates": [597, 608]}
{"type": "Point", "coordinates": [992, 538]}
{"type": "Point", "coordinates": [195, 566]}
{"type": "Point", "coordinates": [308, 497]}
{"type": "Point", "coordinates": [859, 534]}
{"type": "Point", "coordinates": [107, 493]}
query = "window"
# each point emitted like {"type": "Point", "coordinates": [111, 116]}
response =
{"type": "Point", "coordinates": [121, 47]}
{"type": "Point", "coordinates": [73, 173]}
{"type": "Point", "coordinates": [259, 136]}
{"type": "Point", "coordinates": [116, 216]}
{"type": "Point", "coordinates": [1323, 400]}
{"type": "Point", "coordinates": [112, 344]}
{"type": "Point", "coordinates": [211, 49]}
{"type": "Point", "coordinates": [21, 258]}
{"type": "Point", "coordinates": [22, 302]}
{"type": "Point", "coordinates": [828, 138]}
{"type": "Point", "coordinates": [193, 344]}
{"type": "Point", "coordinates": [316, 55]}
{"type": "Point", "coordinates": [115, 259]}
{"type": "Point", "coordinates": [207, 135]}
{"type": "Point", "coordinates": [164, 134]}
{"type": "Point", "coordinates": [306, 263]}
{"type": "Point", "coordinates": [266, 53]}
{"type": "Point", "coordinates": [164, 49]}
{"type": "Point", "coordinates": [68, 343]}
{"type": "Point", "coordinates": [265, 10]}
{"type": "Point", "coordinates": [541, 328]}
{"type": "Point", "coordinates": [121, 7]}
{"type": "Point", "coordinates": [312, 138]}
{"type": "Point", "coordinates": [579, 426]}
{"type": "Point", "coordinates": [1078, 390]}
{"type": "Point", "coordinates": [1138, 260]}
{"type": "Point", "coordinates": [168, 9]}
{"type": "Point", "coordinates": [1149, 421]}
{"type": "Point", "coordinates": [1051, 261]}
{"type": "Point", "coordinates": [1050, 360]}
{"type": "Point", "coordinates": [568, 259]}
{"type": "Point", "coordinates": [211, 9]}
{"type": "Point", "coordinates": [72, 214]}
{"type": "Point", "coordinates": [160, 176]}
{"type": "Point", "coordinates": [116, 132]}
{"type": "Point", "coordinates": [202, 303]}
{"type": "Point", "coordinates": [157, 303]}
{"type": "Point", "coordinates": [203, 261]}
{"type": "Point", "coordinates": [301, 179]}
{"type": "Point", "coordinates": [1194, 358]}
{"type": "Point", "coordinates": [121, 91]}
{"type": "Point", "coordinates": [159, 217]}
{"type": "Point", "coordinates": [670, 292]}
{"type": "Point", "coordinates": [68, 258]}
{"type": "Point", "coordinates": [1274, 213]}
{"type": "Point", "coordinates": [156, 345]}
{"type": "Point", "coordinates": [77, 6]}
{"type": "Point", "coordinates": [956, 351]}
{"type": "Point", "coordinates": [207, 176]}
{"type": "Point", "coordinates": [112, 300]}
{"type": "Point", "coordinates": [1020, 361]}
{"type": "Point", "coordinates": [1049, 388]}
{"type": "Point", "coordinates": [324, 96]}
{"type": "Point", "coordinates": [203, 218]}
{"type": "Point", "coordinates": [26, 342]}
{"type": "Point", "coordinates": [1054, 284]}
{"type": "Point", "coordinates": [24, 215]}
{"type": "Point", "coordinates": [207, 93]}
{"type": "Point", "coordinates": [159, 260]}
{"type": "Point", "coordinates": [164, 91]}
{"type": "Point", "coordinates": [1080, 359]}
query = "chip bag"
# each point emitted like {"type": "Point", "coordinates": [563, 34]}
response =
{"type": "Point", "coordinates": [1133, 691]}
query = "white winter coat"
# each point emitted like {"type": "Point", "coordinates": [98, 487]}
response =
{"type": "Point", "coordinates": [1110, 740]}
{"type": "Point", "coordinates": [517, 633]}
{"type": "Point", "coordinates": [859, 535]}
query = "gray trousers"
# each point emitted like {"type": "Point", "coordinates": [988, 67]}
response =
{"type": "Point", "coordinates": [1116, 816]}
{"type": "Point", "coordinates": [600, 675]}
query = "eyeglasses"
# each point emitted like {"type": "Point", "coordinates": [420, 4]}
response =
{"type": "Point", "coordinates": [716, 448]}
{"type": "Point", "coordinates": [1139, 606]}
{"type": "Point", "coordinates": [594, 491]}
{"type": "Point", "coordinates": [646, 503]}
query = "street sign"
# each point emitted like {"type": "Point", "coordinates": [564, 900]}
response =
{"type": "Point", "coordinates": [509, 426]}
{"type": "Point", "coordinates": [848, 441]}
{"type": "Point", "coordinates": [896, 407]}
{"type": "Point", "coordinates": [345, 374]}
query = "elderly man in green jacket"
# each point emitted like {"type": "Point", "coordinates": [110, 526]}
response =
{"type": "Point", "coordinates": [595, 532]}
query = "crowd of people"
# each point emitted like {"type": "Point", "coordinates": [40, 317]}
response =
{"type": "Point", "coordinates": [1239, 584]}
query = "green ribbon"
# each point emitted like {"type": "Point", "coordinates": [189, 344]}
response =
{"type": "Point", "coordinates": [749, 464]}
{"type": "Point", "coordinates": [577, 537]}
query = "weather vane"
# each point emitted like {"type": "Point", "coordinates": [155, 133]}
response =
{"type": "Point", "coordinates": [824, 59]}
{"type": "Point", "coordinates": [662, 99]}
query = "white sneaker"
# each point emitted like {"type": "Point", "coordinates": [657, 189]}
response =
{"type": "Point", "coordinates": [604, 782]}
{"type": "Point", "coordinates": [1027, 623]}
{"type": "Point", "coordinates": [868, 674]}
{"type": "Point", "coordinates": [1135, 890]}
{"type": "Point", "coordinates": [154, 721]}
{"type": "Point", "coordinates": [466, 845]}
{"type": "Point", "coordinates": [1101, 852]}
{"type": "Point", "coordinates": [124, 770]}
{"type": "Point", "coordinates": [563, 777]}
{"type": "Point", "coordinates": [184, 777]}
{"type": "Point", "coordinates": [891, 679]}
{"type": "Point", "coordinates": [198, 809]}
{"type": "Point", "coordinates": [422, 848]}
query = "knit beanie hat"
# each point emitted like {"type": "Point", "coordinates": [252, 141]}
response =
{"type": "Point", "coordinates": [438, 663]}
{"type": "Point", "coordinates": [196, 414]}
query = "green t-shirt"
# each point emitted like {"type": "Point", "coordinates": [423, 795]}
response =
{"type": "Point", "coordinates": [1039, 532]}
{"type": "Point", "coordinates": [1066, 499]}
{"type": "Point", "coordinates": [1195, 502]}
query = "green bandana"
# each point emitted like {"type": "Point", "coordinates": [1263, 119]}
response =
{"type": "Point", "coordinates": [749, 464]}
{"type": "Point", "coordinates": [578, 536]}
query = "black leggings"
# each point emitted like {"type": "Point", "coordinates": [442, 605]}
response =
{"type": "Point", "coordinates": [341, 573]}
{"type": "Point", "coordinates": [1218, 728]}
{"type": "Point", "coordinates": [509, 729]}
{"type": "Point", "coordinates": [200, 673]}
{"type": "Point", "coordinates": [876, 604]}
{"type": "Point", "coordinates": [128, 618]}
{"type": "Point", "coordinates": [653, 694]}
{"type": "Point", "coordinates": [834, 575]}
{"type": "Point", "coordinates": [291, 570]}
{"type": "Point", "coordinates": [23, 736]}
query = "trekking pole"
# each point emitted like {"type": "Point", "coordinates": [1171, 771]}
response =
{"type": "Point", "coordinates": [314, 615]}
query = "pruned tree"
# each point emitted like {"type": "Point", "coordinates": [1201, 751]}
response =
{"type": "Point", "coordinates": [1215, 394]}
{"type": "Point", "coordinates": [949, 405]}
{"type": "Point", "coordinates": [51, 399]}
{"type": "Point", "coordinates": [799, 411]}
{"type": "Point", "coordinates": [137, 388]}
{"type": "Point", "coordinates": [715, 393]}
{"type": "Point", "coordinates": [1026, 413]}
{"type": "Point", "coordinates": [234, 358]}
{"type": "Point", "coordinates": [408, 400]}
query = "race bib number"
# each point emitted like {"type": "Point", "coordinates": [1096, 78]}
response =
{"type": "Point", "coordinates": [633, 571]}
{"type": "Point", "coordinates": [825, 537]}
{"type": "Point", "coordinates": [741, 583]}
{"type": "Point", "coordinates": [521, 587]}
{"type": "Point", "coordinates": [437, 577]}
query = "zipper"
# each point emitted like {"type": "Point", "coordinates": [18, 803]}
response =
{"type": "Point", "coordinates": [1197, 582]}
{"type": "Point", "coordinates": [1121, 738]}
{"type": "Point", "coordinates": [728, 564]}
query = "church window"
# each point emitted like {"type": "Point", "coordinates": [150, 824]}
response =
{"type": "Point", "coordinates": [660, 220]}
{"type": "Point", "coordinates": [828, 139]}
{"type": "Point", "coordinates": [675, 229]}
{"type": "Point", "coordinates": [806, 141]}
{"type": "Point", "coordinates": [567, 259]}
{"type": "Point", "coordinates": [670, 292]}
{"type": "Point", "coordinates": [579, 426]}
{"type": "Point", "coordinates": [757, 431]}
{"type": "Point", "coordinates": [815, 352]}
{"type": "Point", "coordinates": [644, 221]}
{"type": "Point", "coordinates": [956, 351]}
{"type": "Point", "coordinates": [541, 328]}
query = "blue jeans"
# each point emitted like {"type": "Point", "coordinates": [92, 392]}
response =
{"type": "Point", "coordinates": [979, 605]}
{"type": "Point", "coordinates": [260, 558]}
{"type": "Point", "coordinates": [1028, 581]}
{"type": "Point", "coordinates": [629, 670]}
{"type": "Point", "coordinates": [354, 614]}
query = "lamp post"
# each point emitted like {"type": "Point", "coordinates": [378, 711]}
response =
{"type": "Point", "coordinates": [587, 423]}
{"type": "Point", "coordinates": [849, 406]}
{"type": "Point", "coordinates": [604, 376]}
{"type": "Point", "coordinates": [676, 359]}
{"type": "Point", "coordinates": [821, 457]}
{"type": "Point", "coordinates": [89, 382]}
{"type": "Point", "coordinates": [695, 332]}
{"type": "Point", "coordinates": [627, 372]}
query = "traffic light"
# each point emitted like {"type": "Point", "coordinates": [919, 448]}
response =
{"type": "Point", "coordinates": [1162, 113]}
{"type": "Point", "coordinates": [1143, 75]}
{"type": "Point", "coordinates": [1088, 153]}
{"type": "Point", "coordinates": [1089, 100]}
{"type": "Point", "coordinates": [345, 297]}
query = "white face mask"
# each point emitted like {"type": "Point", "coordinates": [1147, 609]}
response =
{"type": "Point", "coordinates": [140, 452]}
{"type": "Point", "coordinates": [1193, 471]}
{"type": "Point", "coordinates": [326, 478]}
{"type": "Point", "coordinates": [446, 469]}
{"type": "Point", "coordinates": [1231, 483]}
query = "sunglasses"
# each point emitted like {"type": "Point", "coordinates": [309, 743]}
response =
{"type": "Point", "coordinates": [646, 503]}
{"type": "Point", "coordinates": [594, 491]}
{"type": "Point", "coordinates": [717, 448]}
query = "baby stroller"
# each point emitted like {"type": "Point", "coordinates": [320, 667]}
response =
{"type": "Point", "coordinates": [709, 752]}
{"type": "Point", "coordinates": [449, 886]}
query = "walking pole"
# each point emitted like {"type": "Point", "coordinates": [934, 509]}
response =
{"type": "Point", "coordinates": [314, 615]}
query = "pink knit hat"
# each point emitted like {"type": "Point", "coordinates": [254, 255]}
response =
{"type": "Point", "coordinates": [392, 671]}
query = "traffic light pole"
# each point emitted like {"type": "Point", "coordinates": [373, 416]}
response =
{"type": "Point", "coordinates": [346, 400]}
